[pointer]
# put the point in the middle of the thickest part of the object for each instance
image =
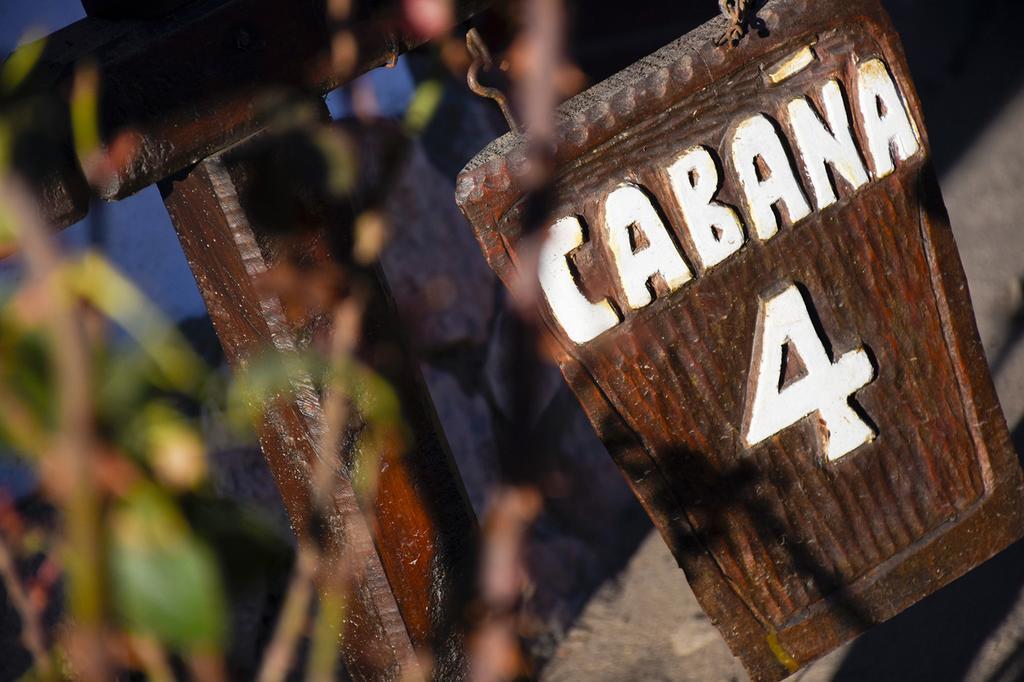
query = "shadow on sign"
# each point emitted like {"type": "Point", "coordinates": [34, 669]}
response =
{"type": "Point", "coordinates": [723, 493]}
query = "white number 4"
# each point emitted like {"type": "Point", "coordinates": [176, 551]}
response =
{"type": "Point", "coordinates": [793, 376]}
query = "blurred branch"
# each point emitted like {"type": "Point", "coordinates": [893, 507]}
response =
{"type": "Point", "coordinates": [98, 282]}
{"type": "Point", "coordinates": [539, 55]}
{"type": "Point", "coordinates": [323, 657]}
{"type": "Point", "coordinates": [153, 658]}
{"type": "Point", "coordinates": [280, 653]}
{"type": "Point", "coordinates": [537, 59]}
{"type": "Point", "coordinates": [207, 667]}
{"type": "Point", "coordinates": [75, 446]}
{"type": "Point", "coordinates": [345, 333]}
{"type": "Point", "coordinates": [497, 654]}
{"type": "Point", "coordinates": [31, 627]}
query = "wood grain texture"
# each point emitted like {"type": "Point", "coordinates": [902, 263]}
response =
{"type": "Point", "coordinates": [416, 547]}
{"type": "Point", "coordinates": [790, 555]}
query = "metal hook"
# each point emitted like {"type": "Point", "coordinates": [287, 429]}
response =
{"type": "Point", "coordinates": [482, 58]}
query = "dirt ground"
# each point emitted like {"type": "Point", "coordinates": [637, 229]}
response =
{"type": "Point", "coordinates": [645, 623]}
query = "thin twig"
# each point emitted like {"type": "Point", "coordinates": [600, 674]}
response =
{"type": "Point", "coordinates": [345, 334]}
{"type": "Point", "coordinates": [31, 627]}
{"type": "Point", "coordinates": [327, 630]}
{"type": "Point", "coordinates": [207, 666]}
{"type": "Point", "coordinates": [75, 446]}
{"type": "Point", "coordinates": [153, 658]}
{"type": "Point", "coordinates": [280, 653]}
{"type": "Point", "coordinates": [496, 650]}
{"type": "Point", "coordinates": [543, 55]}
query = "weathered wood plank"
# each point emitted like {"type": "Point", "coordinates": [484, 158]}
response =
{"type": "Point", "coordinates": [417, 558]}
{"type": "Point", "coordinates": [792, 545]}
{"type": "Point", "coordinates": [202, 78]}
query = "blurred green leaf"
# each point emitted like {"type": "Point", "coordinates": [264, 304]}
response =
{"type": "Point", "coordinates": [170, 445]}
{"type": "Point", "coordinates": [27, 371]}
{"type": "Point", "coordinates": [339, 153]}
{"type": "Point", "coordinates": [376, 428]}
{"type": "Point", "coordinates": [381, 433]}
{"type": "Point", "coordinates": [423, 106]}
{"type": "Point", "coordinates": [85, 111]}
{"type": "Point", "coordinates": [165, 580]}
{"type": "Point", "coordinates": [97, 281]}
{"type": "Point", "coordinates": [21, 62]}
{"type": "Point", "coordinates": [328, 631]}
{"type": "Point", "coordinates": [267, 377]}
{"type": "Point", "coordinates": [124, 379]}
{"type": "Point", "coordinates": [372, 394]}
{"type": "Point", "coordinates": [8, 237]}
{"type": "Point", "coordinates": [27, 407]}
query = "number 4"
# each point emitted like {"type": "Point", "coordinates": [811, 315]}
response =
{"type": "Point", "coordinates": [787, 343]}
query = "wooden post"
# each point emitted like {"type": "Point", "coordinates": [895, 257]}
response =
{"type": "Point", "coordinates": [417, 554]}
{"type": "Point", "coordinates": [752, 287]}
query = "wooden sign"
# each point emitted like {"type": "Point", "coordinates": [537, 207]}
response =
{"type": "Point", "coordinates": [756, 297]}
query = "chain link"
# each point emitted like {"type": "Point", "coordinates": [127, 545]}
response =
{"type": "Point", "coordinates": [736, 11]}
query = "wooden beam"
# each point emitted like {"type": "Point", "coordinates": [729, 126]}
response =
{"type": "Point", "coordinates": [129, 9]}
{"type": "Point", "coordinates": [418, 552]}
{"type": "Point", "coordinates": [204, 77]}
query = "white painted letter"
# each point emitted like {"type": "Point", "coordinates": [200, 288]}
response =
{"type": "Point", "coordinates": [819, 147]}
{"type": "Point", "coordinates": [714, 228]}
{"type": "Point", "coordinates": [581, 319]}
{"type": "Point", "coordinates": [641, 245]}
{"type": "Point", "coordinates": [755, 138]}
{"type": "Point", "coordinates": [889, 130]}
{"type": "Point", "coordinates": [784, 326]}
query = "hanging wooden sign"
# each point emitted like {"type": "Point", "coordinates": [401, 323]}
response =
{"type": "Point", "coordinates": [756, 297]}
